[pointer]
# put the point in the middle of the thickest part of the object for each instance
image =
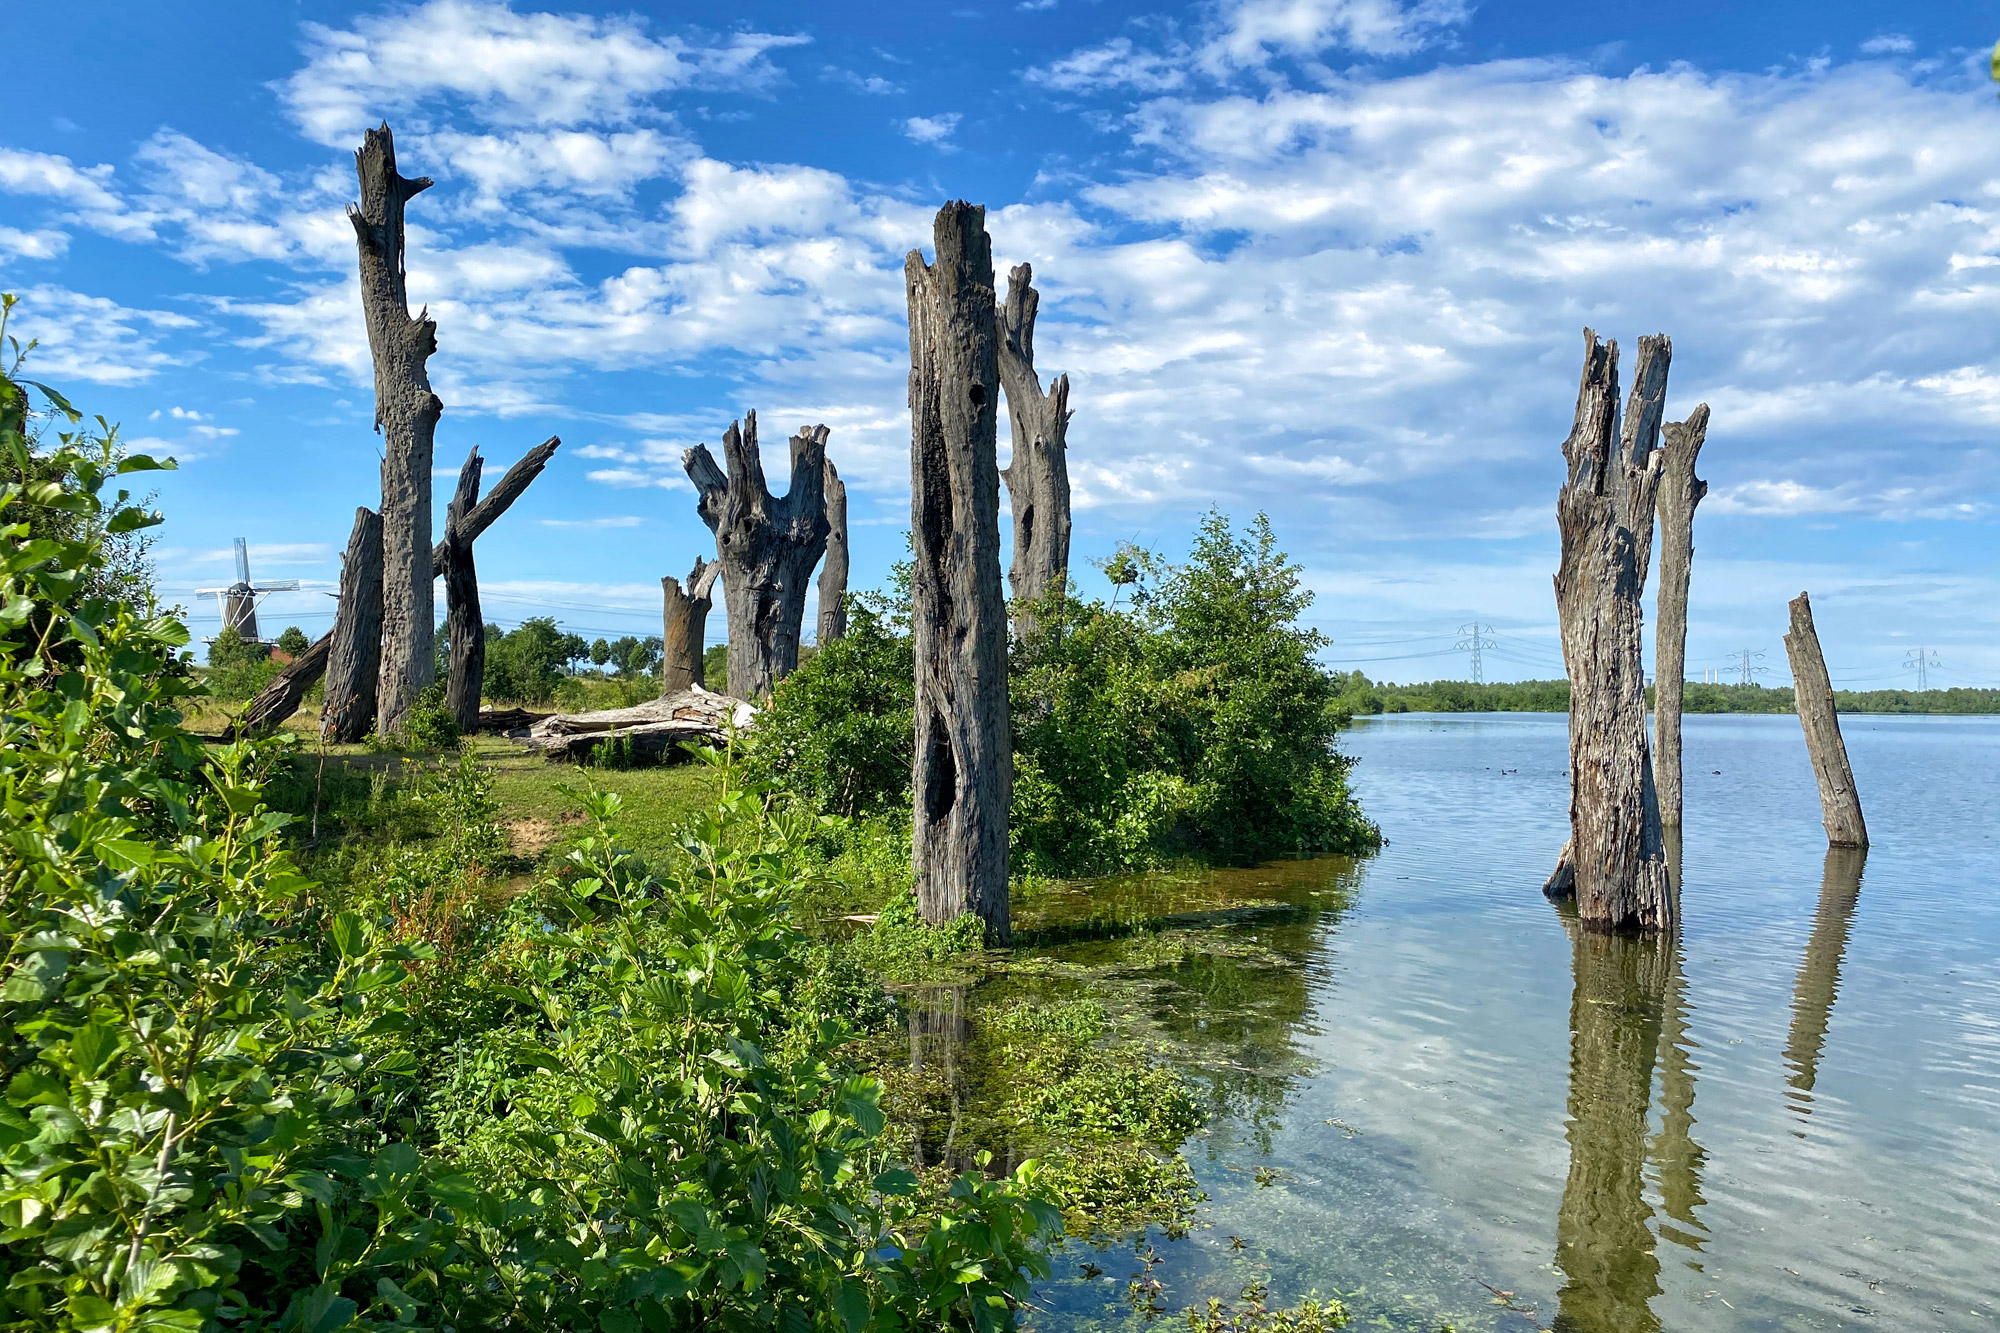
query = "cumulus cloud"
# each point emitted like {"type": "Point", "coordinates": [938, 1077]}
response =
{"type": "Point", "coordinates": [1889, 44]}
{"type": "Point", "coordinates": [931, 129]}
{"type": "Point", "coordinates": [92, 338]}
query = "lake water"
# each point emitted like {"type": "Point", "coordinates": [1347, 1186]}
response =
{"type": "Point", "coordinates": [1445, 1105]}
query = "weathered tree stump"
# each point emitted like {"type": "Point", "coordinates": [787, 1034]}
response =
{"type": "Point", "coordinates": [767, 547]}
{"type": "Point", "coordinates": [1680, 492]}
{"type": "Point", "coordinates": [963, 774]}
{"type": "Point", "coordinates": [833, 572]}
{"type": "Point", "coordinates": [1818, 983]}
{"type": "Point", "coordinates": [684, 627]}
{"type": "Point", "coordinates": [1038, 475]}
{"type": "Point", "coordinates": [465, 630]}
{"type": "Point", "coordinates": [282, 697]}
{"type": "Point", "coordinates": [497, 500]}
{"type": "Point", "coordinates": [406, 414]}
{"type": "Point", "coordinates": [1839, 803]}
{"type": "Point", "coordinates": [1615, 862]}
{"type": "Point", "coordinates": [354, 651]}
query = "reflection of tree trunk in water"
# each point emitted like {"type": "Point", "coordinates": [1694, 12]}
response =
{"type": "Point", "coordinates": [1819, 975]}
{"type": "Point", "coordinates": [938, 1032]}
{"type": "Point", "coordinates": [1677, 1158]}
{"type": "Point", "coordinates": [1603, 1243]}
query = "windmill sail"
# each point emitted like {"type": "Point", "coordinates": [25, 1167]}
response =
{"type": "Point", "coordinates": [239, 600]}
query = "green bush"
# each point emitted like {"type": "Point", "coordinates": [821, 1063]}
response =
{"type": "Point", "coordinates": [431, 725]}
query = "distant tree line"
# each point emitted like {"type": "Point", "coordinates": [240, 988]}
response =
{"type": "Point", "coordinates": [1361, 696]}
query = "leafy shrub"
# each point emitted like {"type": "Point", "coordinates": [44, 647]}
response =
{"type": "Point", "coordinates": [901, 945]}
{"type": "Point", "coordinates": [293, 641]}
{"type": "Point", "coordinates": [431, 725]}
{"type": "Point", "coordinates": [1117, 1094]}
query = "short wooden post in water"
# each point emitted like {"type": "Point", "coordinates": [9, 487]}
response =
{"type": "Point", "coordinates": [1615, 861]}
{"type": "Point", "coordinates": [684, 626]}
{"type": "Point", "coordinates": [767, 546]}
{"type": "Point", "coordinates": [963, 775]}
{"type": "Point", "coordinates": [464, 629]}
{"type": "Point", "coordinates": [1680, 492]}
{"type": "Point", "coordinates": [1839, 803]}
{"type": "Point", "coordinates": [354, 652]}
{"type": "Point", "coordinates": [1038, 475]}
{"type": "Point", "coordinates": [833, 572]}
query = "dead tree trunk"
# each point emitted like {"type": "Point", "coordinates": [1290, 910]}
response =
{"type": "Point", "coordinates": [1680, 492]}
{"type": "Point", "coordinates": [767, 548]}
{"type": "Point", "coordinates": [281, 698]}
{"type": "Point", "coordinates": [354, 653]}
{"type": "Point", "coordinates": [963, 776]}
{"type": "Point", "coordinates": [501, 496]}
{"type": "Point", "coordinates": [1615, 862]}
{"type": "Point", "coordinates": [406, 414]}
{"type": "Point", "coordinates": [1038, 476]}
{"type": "Point", "coordinates": [684, 627]}
{"type": "Point", "coordinates": [464, 628]}
{"type": "Point", "coordinates": [1839, 803]}
{"type": "Point", "coordinates": [833, 573]}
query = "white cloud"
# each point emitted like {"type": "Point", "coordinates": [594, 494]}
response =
{"type": "Point", "coordinates": [41, 244]}
{"type": "Point", "coordinates": [1890, 44]}
{"type": "Point", "coordinates": [874, 85]}
{"type": "Point", "coordinates": [1254, 30]}
{"type": "Point", "coordinates": [1118, 63]}
{"type": "Point", "coordinates": [593, 524]}
{"type": "Point", "coordinates": [87, 190]}
{"type": "Point", "coordinates": [931, 129]}
{"type": "Point", "coordinates": [91, 338]}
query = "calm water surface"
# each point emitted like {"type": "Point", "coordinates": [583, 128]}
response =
{"type": "Point", "coordinates": [1447, 1106]}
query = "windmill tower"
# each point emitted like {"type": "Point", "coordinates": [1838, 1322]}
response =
{"type": "Point", "coordinates": [238, 601]}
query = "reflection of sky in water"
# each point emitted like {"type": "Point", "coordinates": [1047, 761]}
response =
{"type": "Point", "coordinates": [1807, 1161]}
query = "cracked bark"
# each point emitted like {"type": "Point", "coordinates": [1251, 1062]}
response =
{"type": "Point", "coordinates": [1037, 477]}
{"type": "Point", "coordinates": [1680, 492]}
{"type": "Point", "coordinates": [354, 653]}
{"type": "Point", "coordinates": [684, 627]}
{"type": "Point", "coordinates": [406, 415]}
{"type": "Point", "coordinates": [833, 572]}
{"type": "Point", "coordinates": [962, 778]}
{"type": "Point", "coordinates": [767, 547]}
{"type": "Point", "coordinates": [1614, 864]}
{"type": "Point", "coordinates": [1839, 803]}
{"type": "Point", "coordinates": [465, 631]}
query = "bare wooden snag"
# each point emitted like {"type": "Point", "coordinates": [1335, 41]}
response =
{"type": "Point", "coordinates": [767, 547]}
{"type": "Point", "coordinates": [464, 628]}
{"type": "Point", "coordinates": [684, 628]}
{"type": "Point", "coordinates": [833, 572]}
{"type": "Point", "coordinates": [354, 652]}
{"type": "Point", "coordinates": [1038, 475]}
{"type": "Point", "coordinates": [963, 775]}
{"type": "Point", "coordinates": [1680, 492]}
{"type": "Point", "coordinates": [282, 697]}
{"type": "Point", "coordinates": [1839, 803]}
{"type": "Point", "coordinates": [406, 414]}
{"type": "Point", "coordinates": [1615, 861]}
{"type": "Point", "coordinates": [497, 500]}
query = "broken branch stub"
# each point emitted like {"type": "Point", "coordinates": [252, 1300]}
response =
{"type": "Point", "coordinates": [1615, 861]}
{"type": "Point", "coordinates": [963, 773]}
{"type": "Point", "coordinates": [767, 546]}
{"type": "Point", "coordinates": [504, 494]}
{"type": "Point", "coordinates": [684, 627]}
{"type": "Point", "coordinates": [833, 572]}
{"type": "Point", "coordinates": [1839, 803]}
{"type": "Point", "coordinates": [1038, 475]}
{"type": "Point", "coordinates": [1680, 492]}
{"type": "Point", "coordinates": [464, 628]}
{"type": "Point", "coordinates": [354, 653]}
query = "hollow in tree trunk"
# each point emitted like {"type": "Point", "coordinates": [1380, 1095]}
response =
{"type": "Point", "coordinates": [1680, 492]}
{"type": "Point", "coordinates": [833, 572]}
{"type": "Point", "coordinates": [1615, 861]}
{"type": "Point", "coordinates": [354, 651]}
{"type": "Point", "coordinates": [464, 628]}
{"type": "Point", "coordinates": [684, 626]}
{"type": "Point", "coordinates": [767, 547]}
{"type": "Point", "coordinates": [1839, 803]}
{"type": "Point", "coordinates": [963, 774]}
{"type": "Point", "coordinates": [406, 414]}
{"type": "Point", "coordinates": [1038, 476]}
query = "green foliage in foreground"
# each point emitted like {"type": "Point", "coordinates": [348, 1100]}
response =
{"type": "Point", "coordinates": [1359, 695]}
{"type": "Point", "coordinates": [1197, 721]}
{"type": "Point", "coordinates": [236, 1100]}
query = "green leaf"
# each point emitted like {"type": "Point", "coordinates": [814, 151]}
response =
{"type": "Point", "coordinates": [850, 1302]}
{"type": "Point", "coordinates": [896, 1181]}
{"type": "Point", "coordinates": [618, 1321]}
{"type": "Point", "coordinates": [93, 1044]}
{"type": "Point", "coordinates": [36, 976]}
{"type": "Point", "coordinates": [350, 935]}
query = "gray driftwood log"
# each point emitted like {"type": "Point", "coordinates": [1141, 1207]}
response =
{"type": "Point", "coordinates": [1839, 803]}
{"type": "Point", "coordinates": [1038, 475]}
{"type": "Point", "coordinates": [963, 774]}
{"type": "Point", "coordinates": [1615, 861]}
{"type": "Point", "coordinates": [1680, 492]}
{"type": "Point", "coordinates": [406, 414]}
{"type": "Point", "coordinates": [354, 653]}
{"type": "Point", "coordinates": [654, 728]}
{"type": "Point", "coordinates": [282, 697]}
{"type": "Point", "coordinates": [767, 546]}
{"type": "Point", "coordinates": [833, 571]}
{"type": "Point", "coordinates": [684, 627]}
{"type": "Point", "coordinates": [465, 630]}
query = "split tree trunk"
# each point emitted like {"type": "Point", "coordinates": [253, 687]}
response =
{"type": "Point", "coordinates": [1839, 803]}
{"type": "Point", "coordinates": [354, 653]}
{"type": "Point", "coordinates": [503, 495]}
{"type": "Point", "coordinates": [767, 547]}
{"type": "Point", "coordinates": [1038, 476]}
{"type": "Point", "coordinates": [281, 698]}
{"type": "Point", "coordinates": [684, 627]}
{"type": "Point", "coordinates": [463, 625]}
{"type": "Point", "coordinates": [1680, 492]}
{"type": "Point", "coordinates": [1615, 862]}
{"type": "Point", "coordinates": [963, 775]}
{"type": "Point", "coordinates": [406, 414]}
{"type": "Point", "coordinates": [833, 573]}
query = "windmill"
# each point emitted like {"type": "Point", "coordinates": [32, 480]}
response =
{"type": "Point", "coordinates": [238, 601]}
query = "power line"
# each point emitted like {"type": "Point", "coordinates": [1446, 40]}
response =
{"type": "Point", "coordinates": [1472, 638]}
{"type": "Point", "coordinates": [1923, 660]}
{"type": "Point", "coordinates": [1749, 672]}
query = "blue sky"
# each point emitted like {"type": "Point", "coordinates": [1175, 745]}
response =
{"type": "Point", "coordinates": [1330, 259]}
